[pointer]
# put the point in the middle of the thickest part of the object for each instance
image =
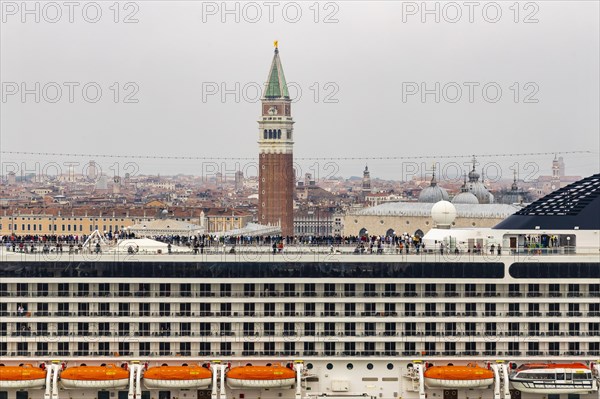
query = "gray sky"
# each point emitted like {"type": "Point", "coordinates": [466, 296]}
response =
{"type": "Point", "coordinates": [360, 69]}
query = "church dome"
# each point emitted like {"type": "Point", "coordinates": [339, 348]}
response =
{"type": "Point", "coordinates": [465, 197]}
{"type": "Point", "coordinates": [481, 193]}
{"type": "Point", "coordinates": [433, 194]}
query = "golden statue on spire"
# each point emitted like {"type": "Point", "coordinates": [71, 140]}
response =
{"type": "Point", "coordinates": [276, 44]}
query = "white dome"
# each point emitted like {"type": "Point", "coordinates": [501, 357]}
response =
{"type": "Point", "coordinates": [443, 213]}
{"type": "Point", "coordinates": [465, 197]}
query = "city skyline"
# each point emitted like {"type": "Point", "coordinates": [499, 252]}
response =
{"type": "Point", "coordinates": [211, 98]}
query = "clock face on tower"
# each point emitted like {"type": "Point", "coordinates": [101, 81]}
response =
{"type": "Point", "coordinates": [273, 110]}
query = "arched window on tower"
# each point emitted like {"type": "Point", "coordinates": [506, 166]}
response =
{"type": "Point", "coordinates": [270, 134]}
{"type": "Point", "coordinates": [279, 133]}
{"type": "Point", "coordinates": [265, 134]}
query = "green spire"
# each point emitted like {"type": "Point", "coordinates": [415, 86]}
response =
{"type": "Point", "coordinates": [276, 84]}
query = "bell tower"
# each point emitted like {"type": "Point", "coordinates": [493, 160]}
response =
{"type": "Point", "coordinates": [276, 178]}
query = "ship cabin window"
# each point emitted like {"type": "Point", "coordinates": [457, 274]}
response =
{"type": "Point", "coordinates": [513, 349]}
{"type": "Point", "coordinates": [410, 329]}
{"type": "Point", "coordinates": [22, 289]}
{"type": "Point", "coordinates": [104, 348]}
{"type": "Point", "coordinates": [410, 348]}
{"type": "Point", "coordinates": [490, 329]}
{"type": "Point", "coordinates": [289, 309]}
{"type": "Point", "coordinates": [144, 329]}
{"type": "Point", "coordinates": [103, 289]}
{"type": "Point", "coordinates": [490, 290]}
{"type": "Point", "coordinates": [430, 328]}
{"type": "Point", "coordinates": [490, 309]}
{"type": "Point", "coordinates": [309, 309]}
{"type": "Point", "coordinates": [329, 349]}
{"type": "Point", "coordinates": [269, 329]}
{"type": "Point", "coordinates": [226, 309]}
{"type": "Point", "coordinates": [42, 309]}
{"type": "Point", "coordinates": [514, 309]}
{"type": "Point", "coordinates": [429, 349]}
{"type": "Point", "coordinates": [165, 289]}
{"type": "Point", "coordinates": [430, 290]}
{"type": "Point", "coordinates": [185, 349]}
{"type": "Point", "coordinates": [249, 289]}
{"type": "Point", "coordinates": [310, 289]}
{"type": "Point", "coordinates": [554, 348]}
{"type": "Point", "coordinates": [449, 348]}
{"type": "Point", "coordinates": [490, 349]}
{"type": "Point", "coordinates": [329, 309]}
{"type": "Point", "coordinates": [63, 309]}
{"type": "Point", "coordinates": [164, 309]}
{"type": "Point", "coordinates": [350, 290]}
{"type": "Point", "coordinates": [165, 329]}
{"type": "Point", "coordinates": [350, 309]}
{"type": "Point", "coordinates": [269, 309]}
{"type": "Point", "coordinates": [594, 348]}
{"type": "Point", "coordinates": [390, 290]}
{"type": "Point", "coordinates": [144, 350]}
{"type": "Point", "coordinates": [83, 309]}
{"type": "Point", "coordinates": [269, 348]}
{"type": "Point", "coordinates": [42, 289]}
{"type": "Point", "coordinates": [450, 309]}
{"type": "Point", "coordinates": [389, 309]}
{"type": "Point", "coordinates": [289, 290]}
{"type": "Point", "coordinates": [533, 348]}
{"type": "Point", "coordinates": [185, 290]}
{"type": "Point", "coordinates": [470, 328]}
{"type": "Point", "coordinates": [163, 395]}
{"type": "Point", "coordinates": [410, 309]}
{"type": "Point", "coordinates": [594, 309]}
{"type": "Point", "coordinates": [553, 329]}
{"type": "Point", "coordinates": [430, 309]}
{"type": "Point", "coordinates": [309, 329]}
{"type": "Point", "coordinates": [83, 289]}
{"type": "Point", "coordinates": [104, 329]}
{"type": "Point", "coordinates": [124, 309]}
{"type": "Point", "coordinates": [370, 329]}
{"type": "Point", "coordinates": [450, 328]}
{"type": "Point", "coordinates": [470, 290]}
{"type": "Point", "coordinates": [204, 290]}
{"type": "Point", "coordinates": [574, 310]}
{"type": "Point", "coordinates": [144, 309]}
{"type": "Point", "coordinates": [514, 290]}
{"type": "Point", "coordinates": [390, 329]}
{"type": "Point", "coordinates": [574, 349]}
{"type": "Point", "coordinates": [450, 290]}
{"type": "Point", "coordinates": [249, 309]}
{"type": "Point", "coordinates": [594, 290]}
{"type": "Point", "coordinates": [63, 349]}
{"type": "Point", "coordinates": [369, 290]}
{"type": "Point", "coordinates": [470, 309]}
{"type": "Point", "coordinates": [370, 309]}
{"type": "Point", "coordinates": [22, 395]}
{"type": "Point", "coordinates": [185, 309]}
{"type": "Point", "coordinates": [3, 289]}
{"type": "Point", "coordinates": [269, 289]}
{"type": "Point", "coordinates": [534, 309]}
{"type": "Point", "coordinates": [103, 309]}
{"type": "Point", "coordinates": [329, 329]}
{"type": "Point", "coordinates": [554, 309]}
{"type": "Point", "coordinates": [573, 329]}
{"type": "Point", "coordinates": [63, 289]}
{"type": "Point", "coordinates": [471, 348]}
{"type": "Point", "coordinates": [534, 329]}
{"type": "Point", "coordinates": [574, 290]}
{"type": "Point", "coordinates": [248, 349]}
{"type": "Point", "coordinates": [164, 348]}
{"type": "Point", "coordinates": [3, 345]}
{"type": "Point", "coordinates": [410, 290]}
{"type": "Point", "coordinates": [124, 289]}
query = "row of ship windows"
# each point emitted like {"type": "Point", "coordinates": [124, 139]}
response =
{"type": "Point", "coordinates": [289, 329]}
{"type": "Point", "coordinates": [311, 309]}
{"type": "Point", "coordinates": [293, 349]}
{"type": "Point", "coordinates": [305, 290]}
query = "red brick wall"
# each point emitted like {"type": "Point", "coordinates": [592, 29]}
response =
{"type": "Point", "coordinates": [276, 191]}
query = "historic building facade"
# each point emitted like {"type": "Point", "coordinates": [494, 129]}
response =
{"type": "Point", "coordinates": [276, 162]}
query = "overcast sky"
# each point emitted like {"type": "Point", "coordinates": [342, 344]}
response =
{"type": "Point", "coordinates": [358, 71]}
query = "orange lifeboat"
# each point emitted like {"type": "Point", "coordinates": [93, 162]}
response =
{"type": "Point", "coordinates": [192, 376]}
{"type": "Point", "coordinates": [101, 377]}
{"type": "Point", "coordinates": [469, 376]}
{"type": "Point", "coordinates": [275, 376]}
{"type": "Point", "coordinates": [21, 377]}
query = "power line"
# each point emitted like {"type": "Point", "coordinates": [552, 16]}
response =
{"type": "Point", "coordinates": [202, 158]}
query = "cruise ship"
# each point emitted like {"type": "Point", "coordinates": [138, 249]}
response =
{"type": "Point", "coordinates": [507, 312]}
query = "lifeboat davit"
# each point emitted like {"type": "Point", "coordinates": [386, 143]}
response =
{"type": "Point", "coordinates": [21, 377]}
{"type": "Point", "coordinates": [553, 378]}
{"type": "Point", "coordinates": [469, 376]}
{"type": "Point", "coordinates": [101, 377]}
{"type": "Point", "coordinates": [192, 376]}
{"type": "Point", "coordinates": [275, 376]}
